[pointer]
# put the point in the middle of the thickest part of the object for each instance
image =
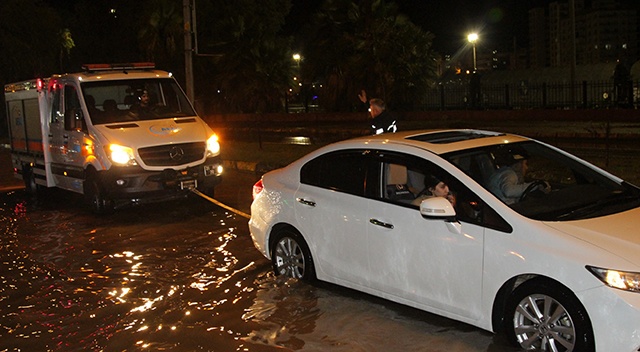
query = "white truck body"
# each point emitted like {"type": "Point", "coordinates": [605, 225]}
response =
{"type": "Point", "coordinates": [92, 133]}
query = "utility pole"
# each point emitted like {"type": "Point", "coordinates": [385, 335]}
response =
{"type": "Point", "coordinates": [572, 18]}
{"type": "Point", "coordinates": [188, 9]}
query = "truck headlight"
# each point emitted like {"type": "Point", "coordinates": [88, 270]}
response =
{"type": "Point", "coordinates": [121, 155]}
{"type": "Point", "coordinates": [213, 146]}
{"type": "Point", "coordinates": [623, 280]}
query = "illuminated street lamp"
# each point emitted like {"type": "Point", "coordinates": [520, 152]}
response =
{"type": "Point", "coordinates": [473, 38]}
{"type": "Point", "coordinates": [296, 58]}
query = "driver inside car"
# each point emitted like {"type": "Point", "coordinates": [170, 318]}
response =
{"type": "Point", "coordinates": [507, 183]}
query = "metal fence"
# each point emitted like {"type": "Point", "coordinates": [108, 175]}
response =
{"type": "Point", "coordinates": [592, 95]}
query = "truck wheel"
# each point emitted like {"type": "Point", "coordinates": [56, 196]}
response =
{"type": "Point", "coordinates": [95, 197]}
{"type": "Point", "coordinates": [30, 184]}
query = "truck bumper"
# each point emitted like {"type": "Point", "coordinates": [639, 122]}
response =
{"type": "Point", "coordinates": [140, 186]}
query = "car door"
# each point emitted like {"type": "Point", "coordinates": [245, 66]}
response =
{"type": "Point", "coordinates": [331, 208]}
{"type": "Point", "coordinates": [432, 263]}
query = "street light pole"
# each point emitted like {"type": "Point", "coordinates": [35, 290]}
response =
{"type": "Point", "coordinates": [187, 7]}
{"type": "Point", "coordinates": [472, 38]}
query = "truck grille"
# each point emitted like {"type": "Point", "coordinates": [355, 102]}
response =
{"type": "Point", "coordinates": [172, 154]}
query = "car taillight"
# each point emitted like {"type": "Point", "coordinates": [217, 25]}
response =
{"type": "Point", "coordinates": [257, 188]}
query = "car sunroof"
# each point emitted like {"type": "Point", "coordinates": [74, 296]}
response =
{"type": "Point", "coordinates": [451, 136]}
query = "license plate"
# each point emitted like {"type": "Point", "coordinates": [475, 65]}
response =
{"type": "Point", "coordinates": [188, 184]}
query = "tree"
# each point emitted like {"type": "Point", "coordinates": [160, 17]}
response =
{"type": "Point", "coordinates": [161, 33]}
{"type": "Point", "coordinates": [104, 31]}
{"type": "Point", "coordinates": [29, 35]}
{"type": "Point", "coordinates": [368, 45]}
{"type": "Point", "coordinates": [66, 44]}
{"type": "Point", "coordinates": [248, 63]}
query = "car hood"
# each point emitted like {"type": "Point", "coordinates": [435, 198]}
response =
{"type": "Point", "coordinates": [139, 134]}
{"type": "Point", "coordinates": [618, 233]}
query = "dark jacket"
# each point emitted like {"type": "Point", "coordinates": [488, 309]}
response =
{"type": "Point", "coordinates": [383, 123]}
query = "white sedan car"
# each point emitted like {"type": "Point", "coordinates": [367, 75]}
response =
{"type": "Point", "coordinates": [528, 240]}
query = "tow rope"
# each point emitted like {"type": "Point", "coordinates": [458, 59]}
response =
{"type": "Point", "coordinates": [245, 215]}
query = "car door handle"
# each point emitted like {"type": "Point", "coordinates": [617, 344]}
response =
{"type": "Point", "coordinates": [381, 223]}
{"type": "Point", "coordinates": [306, 202]}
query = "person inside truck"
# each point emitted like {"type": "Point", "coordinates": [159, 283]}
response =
{"type": "Point", "coordinates": [110, 107]}
{"type": "Point", "coordinates": [143, 105]}
{"type": "Point", "coordinates": [91, 106]}
{"type": "Point", "coordinates": [95, 114]}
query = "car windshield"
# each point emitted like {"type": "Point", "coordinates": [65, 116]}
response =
{"type": "Point", "coordinates": [551, 186]}
{"type": "Point", "coordinates": [135, 100]}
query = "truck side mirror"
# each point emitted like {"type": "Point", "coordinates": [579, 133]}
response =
{"type": "Point", "coordinates": [74, 120]}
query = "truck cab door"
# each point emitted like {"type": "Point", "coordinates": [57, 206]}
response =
{"type": "Point", "coordinates": [67, 138]}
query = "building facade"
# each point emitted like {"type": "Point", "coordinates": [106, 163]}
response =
{"type": "Point", "coordinates": [602, 31]}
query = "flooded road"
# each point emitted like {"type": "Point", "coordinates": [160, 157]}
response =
{"type": "Point", "coordinates": [182, 276]}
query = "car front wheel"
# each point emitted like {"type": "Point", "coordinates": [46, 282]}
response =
{"type": "Point", "coordinates": [544, 316]}
{"type": "Point", "coordinates": [291, 257]}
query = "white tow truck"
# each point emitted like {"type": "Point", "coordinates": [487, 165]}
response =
{"type": "Point", "coordinates": [118, 134]}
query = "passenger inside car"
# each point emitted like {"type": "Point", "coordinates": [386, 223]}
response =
{"type": "Point", "coordinates": [434, 187]}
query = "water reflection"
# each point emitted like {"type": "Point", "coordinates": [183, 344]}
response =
{"type": "Point", "coordinates": [284, 309]}
{"type": "Point", "coordinates": [181, 277]}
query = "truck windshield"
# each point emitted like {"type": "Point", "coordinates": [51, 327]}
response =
{"type": "Point", "coordinates": [135, 100]}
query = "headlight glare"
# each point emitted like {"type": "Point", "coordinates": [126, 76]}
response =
{"type": "Point", "coordinates": [121, 155]}
{"type": "Point", "coordinates": [213, 146]}
{"type": "Point", "coordinates": [623, 280]}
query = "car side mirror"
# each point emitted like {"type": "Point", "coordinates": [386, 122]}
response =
{"type": "Point", "coordinates": [437, 208]}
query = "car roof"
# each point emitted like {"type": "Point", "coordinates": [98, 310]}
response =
{"type": "Point", "coordinates": [441, 141]}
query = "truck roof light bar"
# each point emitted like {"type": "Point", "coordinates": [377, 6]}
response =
{"type": "Point", "coordinates": [27, 85]}
{"type": "Point", "coordinates": [120, 66]}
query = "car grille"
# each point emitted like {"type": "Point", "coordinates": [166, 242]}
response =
{"type": "Point", "coordinates": [172, 154]}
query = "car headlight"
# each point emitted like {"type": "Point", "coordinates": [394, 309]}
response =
{"type": "Point", "coordinates": [623, 280]}
{"type": "Point", "coordinates": [121, 155]}
{"type": "Point", "coordinates": [213, 146]}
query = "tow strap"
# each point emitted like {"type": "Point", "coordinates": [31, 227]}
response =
{"type": "Point", "coordinates": [245, 215]}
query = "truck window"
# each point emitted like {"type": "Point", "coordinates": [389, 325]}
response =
{"type": "Point", "coordinates": [135, 100]}
{"type": "Point", "coordinates": [73, 117]}
{"type": "Point", "coordinates": [56, 107]}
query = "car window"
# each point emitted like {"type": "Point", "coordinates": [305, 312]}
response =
{"type": "Point", "coordinates": [344, 171]}
{"type": "Point", "coordinates": [406, 180]}
{"type": "Point", "coordinates": [550, 186]}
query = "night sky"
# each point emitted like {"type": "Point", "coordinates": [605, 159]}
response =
{"type": "Point", "coordinates": [499, 22]}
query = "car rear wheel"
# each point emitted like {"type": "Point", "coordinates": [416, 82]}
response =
{"type": "Point", "coordinates": [544, 316]}
{"type": "Point", "coordinates": [291, 257]}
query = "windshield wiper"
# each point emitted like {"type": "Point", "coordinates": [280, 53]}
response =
{"type": "Point", "coordinates": [615, 199]}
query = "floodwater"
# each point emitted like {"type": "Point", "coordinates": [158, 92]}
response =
{"type": "Point", "coordinates": [181, 276]}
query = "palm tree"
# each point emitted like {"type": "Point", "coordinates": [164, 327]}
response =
{"type": "Point", "coordinates": [250, 60]}
{"type": "Point", "coordinates": [368, 45]}
{"type": "Point", "coordinates": [28, 34]}
{"type": "Point", "coordinates": [161, 35]}
{"type": "Point", "coordinates": [66, 44]}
